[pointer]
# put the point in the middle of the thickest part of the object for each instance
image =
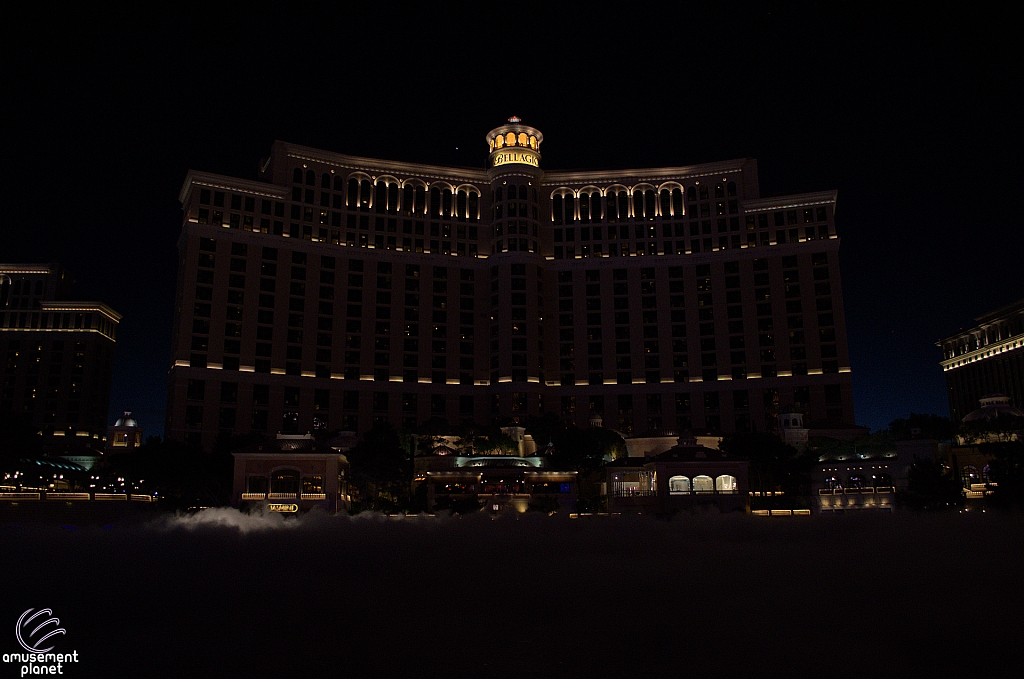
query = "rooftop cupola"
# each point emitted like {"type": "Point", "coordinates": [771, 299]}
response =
{"type": "Point", "coordinates": [514, 143]}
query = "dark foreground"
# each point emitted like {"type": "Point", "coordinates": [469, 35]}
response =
{"type": "Point", "coordinates": [733, 596]}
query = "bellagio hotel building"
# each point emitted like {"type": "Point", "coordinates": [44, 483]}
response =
{"type": "Point", "coordinates": [334, 291]}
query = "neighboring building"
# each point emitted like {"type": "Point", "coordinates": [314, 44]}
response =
{"type": "Point", "coordinates": [685, 477]}
{"type": "Point", "coordinates": [854, 480]}
{"type": "Point", "coordinates": [996, 420]}
{"type": "Point", "coordinates": [125, 435]}
{"type": "Point", "coordinates": [498, 481]}
{"type": "Point", "coordinates": [293, 473]}
{"type": "Point", "coordinates": [58, 356]}
{"type": "Point", "coordinates": [337, 291]}
{"type": "Point", "coordinates": [986, 359]}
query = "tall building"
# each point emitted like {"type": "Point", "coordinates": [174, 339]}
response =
{"type": "Point", "coordinates": [337, 291]}
{"type": "Point", "coordinates": [985, 360]}
{"type": "Point", "coordinates": [58, 354]}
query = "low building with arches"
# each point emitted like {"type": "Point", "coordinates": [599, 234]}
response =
{"type": "Point", "coordinates": [688, 476]}
{"type": "Point", "coordinates": [293, 473]}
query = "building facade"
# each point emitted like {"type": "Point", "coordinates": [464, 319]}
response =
{"type": "Point", "coordinates": [58, 355]}
{"type": "Point", "coordinates": [986, 359]}
{"type": "Point", "coordinates": [337, 291]}
{"type": "Point", "coordinates": [687, 476]}
{"type": "Point", "coordinates": [292, 473]}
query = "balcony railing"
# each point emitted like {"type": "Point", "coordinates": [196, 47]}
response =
{"type": "Point", "coordinates": [856, 491]}
{"type": "Point", "coordinates": [67, 496]}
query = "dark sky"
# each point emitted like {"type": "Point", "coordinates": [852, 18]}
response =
{"type": "Point", "coordinates": [911, 117]}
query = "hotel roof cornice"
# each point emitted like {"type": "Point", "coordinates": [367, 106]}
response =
{"type": "Point", "coordinates": [385, 166]}
{"type": "Point", "coordinates": [219, 181]}
{"type": "Point", "coordinates": [644, 174]}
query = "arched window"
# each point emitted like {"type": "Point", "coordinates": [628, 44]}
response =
{"type": "Point", "coordinates": [730, 188]}
{"type": "Point", "coordinates": [882, 480]}
{"type": "Point", "coordinates": [857, 481]}
{"type": "Point", "coordinates": [297, 175]}
{"type": "Point", "coordinates": [691, 194]}
{"type": "Point", "coordinates": [833, 482]}
{"type": "Point", "coordinates": [474, 206]}
{"type": "Point", "coordinates": [421, 201]}
{"type": "Point", "coordinates": [498, 195]}
{"type": "Point", "coordinates": [666, 204]}
{"type": "Point", "coordinates": [353, 193]}
{"type": "Point", "coordinates": [256, 484]}
{"type": "Point", "coordinates": [638, 204]}
{"type": "Point", "coordinates": [969, 474]}
{"type": "Point", "coordinates": [337, 182]}
{"type": "Point", "coordinates": [570, 208]}
{"type": "Point", "coordinates": [392, 197]}
{"type": "Point", "coordinates": [523, 140]}
{"type": "Point", "coordinates": [499, 141]}
{"type": "Point", "coordinates": [726, 484]}
{"type": "Point", "coordinates": [510, 139]}
{"type": "Point", "coordinates": [325, 180]}
{"type": "Point", "coordinates": [461, 204]}
{"type": "Point", "coordinates": [446, 202]}
{"type": "Point", "coordinates": [703, 484]}
{"type": "Point", "coordinates": [311, 177]}
{"type": "Point", "coordinates": [524, 192]}
{"type": "Point", "coordinates": [610, 211]}
{"type": "Point", "coordinates": [677, 203]}
{"type": "Point", "coordinates": [435, 202]}
{"type": "Point", "coordinates": [380, 199]}
{"type": "Point", "coordinates": [556, 209]}
{"type": "Point", "coordinates": [679, 485]}
{"type": "Point", "coordinates": [285, 481]}
{"type": "Point", "coordinates": [364, 193]}
{"type": "Point", "coordinates": [407, 199]}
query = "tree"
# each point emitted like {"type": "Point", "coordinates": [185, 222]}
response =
{"type": "Point", "coordinates": [930, 486]}
{"type": "Point", "coordinates": [466, 505]}
{"type": "Point", "coordinates": [381, 469]}
{"type": "Point", "coordinates": [774, 465]}
{"type": "Point", "coordinates": [928, 426]}
{"type": "Point", "coordinates": [1006, 470]}
{"type": "Point", "coordinates": [1004, 427]}
{"type": "Point", "coordinates": [18, 439]}
{"type": "Point", "coordinates": [182, 476]}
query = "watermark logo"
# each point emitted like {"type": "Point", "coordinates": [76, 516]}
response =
{"type": "Point", "coordinates": [46, 628]}
{"type": "Point", "coordinates": [34, 630]}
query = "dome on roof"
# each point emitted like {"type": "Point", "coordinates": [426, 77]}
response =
{"type": "Point", "coordinates": [126, 421]}
{"type": "Point", "coordinates": [992, 406]}
{"type": "Point", "coordinates": [344, 441]}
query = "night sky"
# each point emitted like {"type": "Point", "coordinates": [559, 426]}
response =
{"type": "Point", "coordinates": [912, 118]}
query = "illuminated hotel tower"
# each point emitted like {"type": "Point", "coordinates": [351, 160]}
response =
{"type": "Point", "coordinates": [58, 355]}
{"type": "Point", "coordinates": [335, 291]}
